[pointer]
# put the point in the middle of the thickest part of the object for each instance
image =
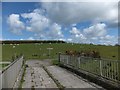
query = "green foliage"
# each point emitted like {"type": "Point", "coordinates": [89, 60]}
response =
{"type": "Point", "coordinates": [55, 62]}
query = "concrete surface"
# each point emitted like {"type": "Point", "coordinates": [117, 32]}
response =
{"type": "Point", "coordinates": [36, 76]}
{"type": "Point", "coordinates": [69, 79]}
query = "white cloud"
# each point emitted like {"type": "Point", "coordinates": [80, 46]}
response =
{"type": "Point", "coordinates": [62, 39]}
{"type": "Point", "coordinates": [108, 40]}
{"type": "Point", "coordinates": [16, 26]}
{"type": "Point", "coordinates": [79, 0]}
{"type": "Point", "coordinates": [76, 35]}
{"type": "Point", "coordinates": [55, 31]}
{"type": "Point", "coordinates": [49, 21]}
{"type": "Point", "coordinates": [30, 38]}
{"type": "Point", "coordinates": [42, 26]}
{"type": "Point", "coordinates": [90, 34]}
{"type": "Point", "coordinates": [37, 22]}
{"type": "Point", "coordinates": [96, 33]}
{"type": "Point", "coordinates": [107, 37]}
{"type": "Point", "coordinates": [96, 30]}
{"type": "Point", "coordinates": [72, 13]}
{"type": "Point", "coordinates": [21, 39]}
{"type": "Point", "coordinates": [69, 39]}
{"type": "Point", "coordinates": [75, 31]}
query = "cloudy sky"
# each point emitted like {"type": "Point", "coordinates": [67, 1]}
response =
{"type": "Point", "coordinates": [79, 22]}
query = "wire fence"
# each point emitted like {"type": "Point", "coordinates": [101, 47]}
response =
{"type": "Point", "coordinates": [108, 69]}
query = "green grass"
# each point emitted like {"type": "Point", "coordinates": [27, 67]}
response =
{"type": "Point", "coordinates": [55, 62]}
{"type": "Point", "coordinates": [22, 78]}
{"type": "Point", "coordinates": [2, 66]}
{"type": "Point", "coordinates": [40, 51]}
{"type": "Point", "coordinates": [90, 65]}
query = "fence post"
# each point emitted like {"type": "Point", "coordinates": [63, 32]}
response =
{"type": "Point", "coordinates": [119, 72]}
{"type": "Point", "coordinates": [119, 69]}
{"type": "Point", "coordinates": [59, 57]}
{"type": "Point", "coordinates": [100, 67]}
{"type": "Point", "coordinates": [67, 59]}
{"type": "Point", "coordinates": [78, 62]}
{"type": "Point", "coordinates": [119, 42]}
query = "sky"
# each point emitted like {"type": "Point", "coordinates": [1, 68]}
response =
{"type": "Point", "coordinates": [78, 22]}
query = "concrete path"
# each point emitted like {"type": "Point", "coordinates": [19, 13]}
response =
{"type": "Point", "coordinates": [69, 79]}
{"type": "Point", "coordinates": [37, 77]}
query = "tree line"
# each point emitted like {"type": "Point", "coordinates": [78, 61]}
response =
{"type": "Point", "coordinates": [30, 41]}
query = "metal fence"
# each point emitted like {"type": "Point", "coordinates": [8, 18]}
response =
{"type": "Point", "coordinates": [107, 69]}
{"type": "Point", "coordinates": [9, 75]}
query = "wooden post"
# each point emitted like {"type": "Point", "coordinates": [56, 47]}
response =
{"type": "Point", "coordinates": [59, 57]}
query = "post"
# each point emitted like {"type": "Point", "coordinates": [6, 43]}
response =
{"type": "Point", "coordinates": [118, 63]}
{"type": "Point", "coordinates": [100, 67]}
{"type": "Point", "coordinates": [119, 41]}
{"type": "Point", "coordinates": [49, 51]}
{"type": "Point", "coordinates": [78, 62]}
{"type": "Point", "coordinates": [119, 70]}
{"type": "Point", "coordinates": [59, 57]}
{"type": "Point", "coordinates": [67, 59]}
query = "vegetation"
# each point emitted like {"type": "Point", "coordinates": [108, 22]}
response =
{"type": "Point", "coordinates": [2, 66]}
{"type": "Point", "coordinates": [41, 51]}
{"type": "Point", "coordinates": [30, 41]}
{"type": "Point", "coordinates": [22, 78]}
{"type": "Point", "coordinates": [55, 62]}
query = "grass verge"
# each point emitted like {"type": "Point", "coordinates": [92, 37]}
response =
{"type": "Point", "coordinates": [22, 79]}
{"type": "Point", "coordinates": [55, 62]}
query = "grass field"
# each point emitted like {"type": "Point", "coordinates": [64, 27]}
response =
{"type": "Point", "coordinates": [40, 51]}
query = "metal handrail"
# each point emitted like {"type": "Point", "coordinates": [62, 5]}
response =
{"type": "Point", "coordinates": [10, 64]}
{"type": "Point", "coordinates": [110, 72]}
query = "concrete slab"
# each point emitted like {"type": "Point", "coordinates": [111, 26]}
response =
{"type": "Point", "coordinates": [68, 79]}
{"type": "Point", "coordinates": [36, 76]}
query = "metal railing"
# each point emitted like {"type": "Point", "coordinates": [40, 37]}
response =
{"type": "Point", "coordinates": [8, 76]}
{"type": "Point", "coordinates": [108, 69]}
